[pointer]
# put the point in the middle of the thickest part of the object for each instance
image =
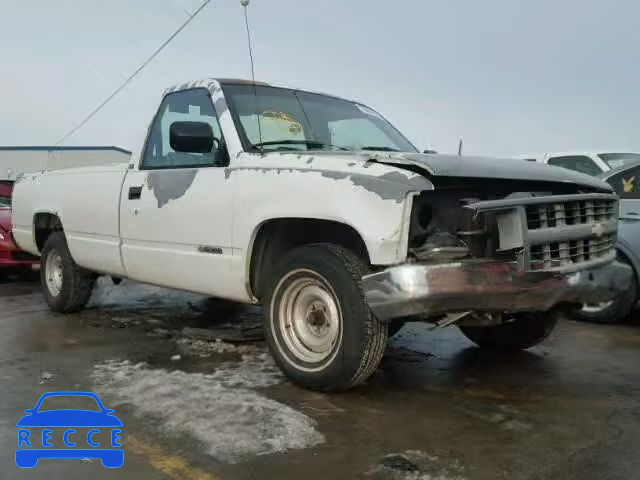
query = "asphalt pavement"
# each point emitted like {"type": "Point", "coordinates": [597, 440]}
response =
{"type": "Point", "coordinates": [194, 407]}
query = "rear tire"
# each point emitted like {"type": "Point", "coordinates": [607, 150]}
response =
{"type": "Point", "coordinates": [66, 286]}
{"type": "Point", "coordinates": [522, 331]}
{"type": "Point", "coordinates": [317, 324]}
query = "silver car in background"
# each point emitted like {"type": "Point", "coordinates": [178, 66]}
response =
{"type": "Point", "coordinates": [625, 180]}
{"type": "Point", "coordinates": [590, 163]}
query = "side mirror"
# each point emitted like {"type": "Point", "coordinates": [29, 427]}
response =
{"type": "Point", "coordinates": [191, 137]}
{"type": "Point", "coordinates": [429, 151]}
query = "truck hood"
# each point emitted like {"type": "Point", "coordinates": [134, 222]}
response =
{"type": "Point", "coordinates": [437, 165]}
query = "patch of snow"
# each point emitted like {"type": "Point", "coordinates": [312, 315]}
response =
{"type": "Point", "coordinates": [160, 332]}
{"type": "Point", "coordinates": [219, 409]}
{"type": "Point", "coordinates": [517, 426]}
{"type": "Point", "coordinates": [416, 465]}
{"type": "Point", "coordinates": [206, 348]}
{"type": "Point", "coordinates": [203, 348]}
{"type": "Point", "coordinates": [132, 294]}
{"type": "Point", "coordinates": [46, 377]}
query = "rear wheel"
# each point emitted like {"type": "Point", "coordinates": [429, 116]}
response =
{"type": "Point", "coordinates": [520, 331]}
{"type": "Point", "coordinates": [317, 324]}
{"type": "Point", "coordinates": [66, 286]}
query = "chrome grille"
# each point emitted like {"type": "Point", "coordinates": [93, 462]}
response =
{"type": "Point", "coordinates": [557, 231]}
{"type": "Point", "coordinates": [560, 254]}
{"type": "Point", "coordinates": [552, 255]}
{"type": "Point", "coordinates": [571, 213]}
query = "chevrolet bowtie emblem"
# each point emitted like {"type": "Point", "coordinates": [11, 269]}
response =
{"type": "Point", "coordinates": [598, 230]}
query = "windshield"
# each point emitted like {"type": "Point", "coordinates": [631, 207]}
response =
{"type": "Point", "coordinates": [278, 119]}
{"type": "Point", "coordinates": [615, 160]}
{"type": "Point", "coordinates": [5, 202]}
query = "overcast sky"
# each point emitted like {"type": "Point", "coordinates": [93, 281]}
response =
{"type": "Point", "coordinates": [509, 76]}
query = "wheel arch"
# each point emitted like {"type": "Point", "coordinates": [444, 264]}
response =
{"type": "Point", "coordinates": [274, 236]}
{"type": "Point", "coordinates": [44, 224]}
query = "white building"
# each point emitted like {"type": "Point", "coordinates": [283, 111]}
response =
{"type": "Point", "coordinates": [17, 160]}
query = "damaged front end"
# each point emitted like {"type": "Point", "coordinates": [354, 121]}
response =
{"type": "Point", "coordinates": [500, 251]}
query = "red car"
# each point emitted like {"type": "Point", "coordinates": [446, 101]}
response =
{"type": "Point", "coordinates": [11, 257]}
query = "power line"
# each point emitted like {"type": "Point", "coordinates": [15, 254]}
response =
{"type": "Point", "coordinates": [133, 75]}
{"type": "Point", "coordinates": [245, 3]}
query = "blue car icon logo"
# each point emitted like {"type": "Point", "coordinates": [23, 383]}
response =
{"type": "Point", "coordinates": [84, 433]}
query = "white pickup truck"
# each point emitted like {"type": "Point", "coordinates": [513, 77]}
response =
{"type": "Point", "coordinates": [320, 210]}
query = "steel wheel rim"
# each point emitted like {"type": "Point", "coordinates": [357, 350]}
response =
{"type": "Point", "coordinates": [596, 307]}
{"type": "Point", "coordinates": [309, 318]}
{"type": "Point", "coordinates": [54, 273]}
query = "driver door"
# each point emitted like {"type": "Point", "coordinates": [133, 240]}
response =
{"type": "Point", "coordinates": [176, 206]}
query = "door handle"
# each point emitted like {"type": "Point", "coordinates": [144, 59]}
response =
{"type": "Point", "coordinates": [135, 193]}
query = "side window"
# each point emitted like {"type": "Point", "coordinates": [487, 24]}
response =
{"type": "Point", "coordinates": [186, 106]}
{"type": "Point", "coordinates": [579, 163]}
{"type": "Point", "coordinates": [627, 183]}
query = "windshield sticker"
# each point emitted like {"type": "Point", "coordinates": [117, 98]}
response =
{"type": "Point", "coordinates": [367, 110]}
{"type": "Point", "coordinates": [628, 184]}
{"type": "Point", "coordinates": [294, 127]}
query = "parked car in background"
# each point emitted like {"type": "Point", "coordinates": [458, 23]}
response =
{"type": "Point", "coordinates": [591, 163]}
{"type": "Point", "coordinates": [626, 182]}
{"type": "Point", "coordinates": [11, 257]}
{"type": "Point", "coordinates": [622, 172]}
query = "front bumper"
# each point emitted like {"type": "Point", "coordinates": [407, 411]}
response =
{"type": "Point", "coordinates": [481, 286]}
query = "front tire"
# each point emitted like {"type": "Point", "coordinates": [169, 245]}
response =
{"type": "Point", "coordinates": [317, 324]}
{"type": "Point", "coordinates": [519, 332]}
{"type": "Point", "coordinates": [66, 286]}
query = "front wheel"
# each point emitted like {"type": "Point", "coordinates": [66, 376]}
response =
{"type": "Point", "coordinates": [520, 331]}
{"type": "Point", "coordinates": [66, 286]}
{"type": "Point", "coordinates": [317, 324]}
